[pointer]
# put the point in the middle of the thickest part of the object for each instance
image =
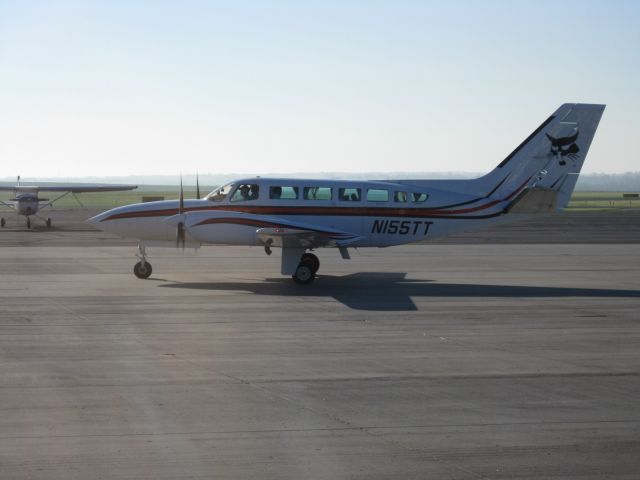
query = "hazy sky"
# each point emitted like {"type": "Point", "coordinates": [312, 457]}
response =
{"type": "Point", "coordinates": [126, 87]}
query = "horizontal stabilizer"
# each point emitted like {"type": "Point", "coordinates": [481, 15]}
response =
{"type": "Point", "coordinates": [536, 200]}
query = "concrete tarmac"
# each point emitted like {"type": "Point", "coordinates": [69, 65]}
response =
{"type": "Point", "coordinates": [459, 361]}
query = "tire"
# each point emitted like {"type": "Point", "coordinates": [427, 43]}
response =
{"type": "Point", "coordinates": [28, 222]}
{"type": "Point", "coordinates": [304, 274]}
{"type": "Point", "coordinates": [48, 223]}
{"type": "Point", "coordinates": [142, 270]}
{"type": "Point", "coordinates": [311, 260]}
{"type": "Point", "coordinates": [3, 222]}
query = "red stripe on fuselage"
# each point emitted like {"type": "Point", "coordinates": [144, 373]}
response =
{"type": "Point", "coordinates": [314, 210]}
{"type": "Point", "coordinates": [288, 210]}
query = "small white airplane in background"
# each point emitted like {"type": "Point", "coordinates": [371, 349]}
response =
{"type": "Point", "coordinates": [26, 201]}
{"type": "Point", "coordinates": [298, 215]}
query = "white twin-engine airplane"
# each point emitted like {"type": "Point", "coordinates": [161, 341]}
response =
{"type": "Point", "coordinates": [299, 215]}
{"type": "Point", "coordinates": [26, 201]}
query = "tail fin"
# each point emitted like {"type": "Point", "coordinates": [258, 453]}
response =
{"type": "Point", "coordinates": [550, 159]}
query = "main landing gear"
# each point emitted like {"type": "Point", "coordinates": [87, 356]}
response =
{"type": "Point", "coordinates": [3, 222]}
{"type": "Point", "coordinates": [142, 269]}
{"type": "Point", "coordinates": [47, 221]}
{"type": "Point", "coordinates": [307, 268]}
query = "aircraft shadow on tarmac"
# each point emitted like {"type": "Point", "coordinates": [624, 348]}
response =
{"type": "Point", "coordinates": [393, 291]}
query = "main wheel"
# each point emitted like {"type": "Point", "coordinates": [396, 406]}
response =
{"type": "Point", "coordinates": [304, 274]}
{"type": "Point", "coordinates": [142, 270]}
{"type": "Point", "coordinates": [311, 260]}
{"type": "Point", "coordinates": [48, 223]}
{"type": "Point", "coordinates": [3, 222]}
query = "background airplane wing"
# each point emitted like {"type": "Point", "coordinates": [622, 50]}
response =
{"type": "Point", "coordinates": [80, 188]}
{"type": "Point", "coordinates": [71, 187]}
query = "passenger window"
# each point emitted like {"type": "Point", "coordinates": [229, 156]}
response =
{"type": "Point", "coordinates": [244, 192]}
{"type": "Point", "coordinates": [377, 195]}
{"type": "Point", "coordinates": [419, 197]}
{"type": "Point", "coordinates": [317, 193]}
{"type": "Point", "coordinates": [349, 194]}
{"type": "Point", "coordinates": [283, 193]}
{"type": "Point", "coordinates": [400, 197]}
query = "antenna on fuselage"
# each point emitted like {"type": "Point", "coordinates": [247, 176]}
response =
{"type": "Point", "coordinates": [180, 233]}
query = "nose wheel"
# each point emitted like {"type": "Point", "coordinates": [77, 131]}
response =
{"type": "Point", "coordinates": [142, 269]}
{"type": "Point", "coordinates": [48, 223]}
{"type": "Point", "coordinates": [307, 269]}
{"type": "Point", "coordinates": [3, 222]}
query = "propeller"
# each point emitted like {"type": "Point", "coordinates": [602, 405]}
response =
{"type": "Point", "coordinates": [180, 232]}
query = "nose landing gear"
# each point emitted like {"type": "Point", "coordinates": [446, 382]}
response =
{"type": "Point", "coordinates": [142, 269]}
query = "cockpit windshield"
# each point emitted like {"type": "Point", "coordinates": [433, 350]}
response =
{"type": "Point", "coordinates": [220, 193]}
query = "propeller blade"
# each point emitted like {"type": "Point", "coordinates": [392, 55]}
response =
{"type": "Point", "coordinates": [180, 232]}
{"type": "Point", "coordinates": [197, 186]}
{"type": "Point", "coordinates": [181, 204]}
{"type": "Point", "coordinates": [181, 236]}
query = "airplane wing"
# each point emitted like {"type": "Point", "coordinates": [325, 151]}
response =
{"type": "Point", "coordinates": [80, 188]}
{"type": "Point", "coordinates": [271, 230]}
{"type": "Point", "coordinates": [295, 237]}
{"type": "Point", "coordinates": [71, 187]}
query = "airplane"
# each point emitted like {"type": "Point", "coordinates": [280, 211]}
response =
{"type": "Point", "coordinates": [26, 201]}
{"type": "Point", "coordinates": [302, 215]}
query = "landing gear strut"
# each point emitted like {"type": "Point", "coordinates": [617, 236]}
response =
{"type": "Point", "coordinates": [307, 268]}
{"type": "Point", "coordinates": [142, 269]}
{"type": "Point", "coordinates": [28, 222]}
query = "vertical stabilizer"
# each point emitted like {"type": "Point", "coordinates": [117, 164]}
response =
{"type": "Point", "coordinates": [549, 158]}
{"type": "Point", "coordinates": [552, 156]}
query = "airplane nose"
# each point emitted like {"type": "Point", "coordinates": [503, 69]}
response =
{"type": "Point", "coordinates": [96, 221]}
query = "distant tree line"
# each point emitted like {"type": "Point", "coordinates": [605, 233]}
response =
{"type": "Point", "coordinates": [612, 182]}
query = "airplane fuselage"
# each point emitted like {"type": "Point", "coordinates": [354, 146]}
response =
{"type": "Point", "coordinates": [298, 215]}
{"type": "Point", "coordinates": [27, 204]}
{"type": "Point", "coordinates": [374, 214]}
